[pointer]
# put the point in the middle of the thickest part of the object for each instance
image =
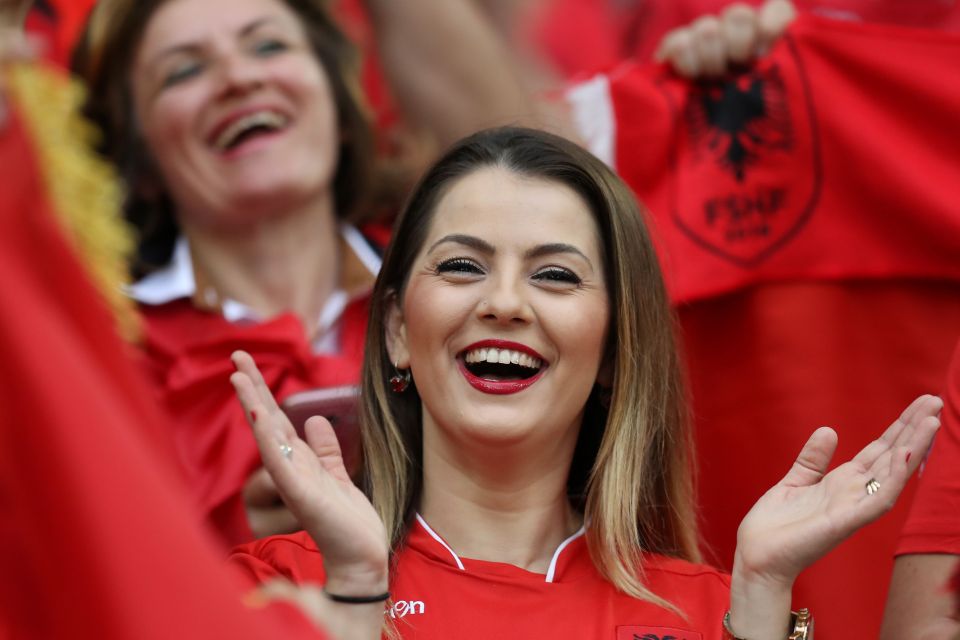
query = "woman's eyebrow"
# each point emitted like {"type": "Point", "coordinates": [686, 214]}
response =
{"type": "Point", "coordinates": [554, 248]}
{"type": "Point", "coordinates": [185, 47]}
{"type": "Point", "coordinates": [256, 24]}
{"type": "Point", "coordinates": [188, 47]}
{"type": "Point", "coordinates": [470, 241]}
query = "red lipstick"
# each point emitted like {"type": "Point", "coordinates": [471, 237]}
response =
{"type": "Point", "coordinates": [500, 387]}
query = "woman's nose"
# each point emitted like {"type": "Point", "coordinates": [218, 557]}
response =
{"type": "Point", "coordinates": [506, 302]}
{"type": "Point", "coordinates": [239, 74]}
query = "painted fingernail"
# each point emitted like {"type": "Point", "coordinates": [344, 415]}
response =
{"type": "Point", "coordinates": [909, 453]}
{"type": "Point", "coordinates": [253, 416]}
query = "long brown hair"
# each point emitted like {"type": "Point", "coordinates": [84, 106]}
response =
{"type": "Point", "coordinates": [103, 60]}
{"type": "Point", "coordinates": [631, 472]}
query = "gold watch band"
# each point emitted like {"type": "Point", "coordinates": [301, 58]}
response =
{"type": "Point", "coordinates": [801, 626]}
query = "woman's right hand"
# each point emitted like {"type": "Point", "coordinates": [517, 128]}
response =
{"type": "Point", "coordinates": [314, 483]}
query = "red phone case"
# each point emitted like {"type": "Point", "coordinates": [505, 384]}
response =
{"type": "Point", "coordinates": [339, 405]}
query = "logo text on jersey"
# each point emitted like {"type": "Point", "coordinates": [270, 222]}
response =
{"type": "Point", "coordinates": [403, 608]}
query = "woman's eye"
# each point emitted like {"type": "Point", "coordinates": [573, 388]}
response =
{"type": "Point", "coordinates": [459, 266]}
{"type": "Point", "coordinates": [269, 47]}
{"type": "Point", "coordinates": [181, 73]}
{"type": "Point", "coordinates": [557, 274]}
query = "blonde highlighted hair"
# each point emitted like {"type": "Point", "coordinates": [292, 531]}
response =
{"type": "Point", "coordinates": [631, 473]}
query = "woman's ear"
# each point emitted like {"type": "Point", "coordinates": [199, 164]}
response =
{"type": "Point", "coordinates": [396, 334]}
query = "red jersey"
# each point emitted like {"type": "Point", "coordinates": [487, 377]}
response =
{"type": "Point", "coordinates": [437, 594]}
{"type": "Point", "coordinates": [933, 525]}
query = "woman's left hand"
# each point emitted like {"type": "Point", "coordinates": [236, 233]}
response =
{"type": "Point", "coordinates": [811, 511]}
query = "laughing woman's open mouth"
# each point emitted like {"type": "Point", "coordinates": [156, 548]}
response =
{"type": "Point", "coordinates": [500, 367]}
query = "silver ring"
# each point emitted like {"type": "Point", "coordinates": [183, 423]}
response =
{"type": "Point", "coordinates": [872, 486]}
{"type": "Point", "coordinates": [286, 450]}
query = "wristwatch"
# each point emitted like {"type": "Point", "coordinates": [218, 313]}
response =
{"type": "Point", "coordinates": [801, 626]}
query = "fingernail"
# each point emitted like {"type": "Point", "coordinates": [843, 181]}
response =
{"type": "Point", "coordinates": [909, 453]}
{"type": "Point", "coordinates": [253, 416]}
{"type": "Point", "coordinates": [687, 63]}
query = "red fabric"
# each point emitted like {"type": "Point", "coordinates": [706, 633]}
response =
{"type": "Point", "coordinates": [434, 598]}
{"type": "Point", "coordinates": [187, 354]}
{"type": "Point", "coordinates": [58, 23]}
{"type": "Point", "coordinates": [845, 316]}
{"type": "Point", "coordinates": [96, 538]}
{"type": "Point", "coordinates": [933, 525]}
{"type": "Point", "coordinates": [582, 37]}
{"type": "Point", "coordinates": [856, 175]}
{"type": "Point", "coordinates": [356, 24]}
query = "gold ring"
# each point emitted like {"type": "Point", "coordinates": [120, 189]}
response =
{"type": "Point", "coordinates": [872, 486]}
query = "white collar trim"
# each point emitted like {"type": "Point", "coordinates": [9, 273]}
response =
{"type": "Point", "coordinates": [551, 571]}
{"type": "Point", "coordinates": [176, 281]}
{"type": "Point", "coordinates": [556, 554]}
{"type": "Point", "coordinates": [172, 282]}
{"type": "Point", "coordinates": [433, 534]}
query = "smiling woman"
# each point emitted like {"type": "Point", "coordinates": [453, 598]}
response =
{"type": "Point", "coordinates": [240, 132]}
{"type": "Point", "coordinates": [547, 493]}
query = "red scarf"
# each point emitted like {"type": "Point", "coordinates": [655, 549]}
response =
{"type": "Point", "coordinates": [187, 352]}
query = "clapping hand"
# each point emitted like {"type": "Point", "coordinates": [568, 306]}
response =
{"type": "Point", "coordinates": [311, 478]}
{"type": "Point", "coordinates": [811, 510]}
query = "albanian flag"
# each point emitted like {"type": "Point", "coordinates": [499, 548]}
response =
{"type": "Point", "coordinates": [836, 156]}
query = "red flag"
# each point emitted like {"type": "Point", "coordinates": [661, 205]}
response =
{"type": "Point", "coordinates": [826, 160]}
{"type": "Point", "coordinates": [97, 539]}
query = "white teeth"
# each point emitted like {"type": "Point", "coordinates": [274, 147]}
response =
{"type": "Point", "coordinates": [502, 356]}
{"type": "Point", "coordinates": [269, 119]}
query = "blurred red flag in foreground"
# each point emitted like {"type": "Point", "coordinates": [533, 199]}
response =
{"type": "Point", "coordinates": [98, 538]}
